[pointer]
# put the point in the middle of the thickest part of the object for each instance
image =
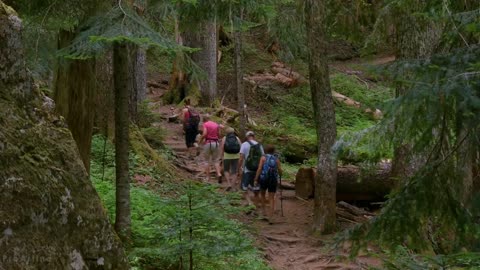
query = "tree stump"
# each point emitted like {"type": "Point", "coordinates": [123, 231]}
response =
{"type": "Point", "coordinates": [304, 180]}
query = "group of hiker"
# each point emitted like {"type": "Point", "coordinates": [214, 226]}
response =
{"type": "Point", "coordinates": [258, 167]}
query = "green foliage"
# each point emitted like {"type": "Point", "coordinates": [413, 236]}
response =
{"type": "Point", "coordinates": [120, 24]}
{"type": "Point", "coordinates": [407, 260]}
{"type": "Point", "coordinates": [145, 116]}
{"type": "Point", "coordinates": [161, 224]}
{"type": "Point", "coordinates": [154, 136]}
{"type": "Point", "coordinates": [439, 118]}
{"type": "Point", "coordinates": [291, 120]}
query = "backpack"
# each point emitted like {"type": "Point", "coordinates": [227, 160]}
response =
{"type": "Point", "coordinates": [193, 119]}
{"type": "Point", "coordinates": [231, 144]}
{"type": "Point", "coordinates": [254, 156]}
{"type": "Point", "coordinates": [270, 170]}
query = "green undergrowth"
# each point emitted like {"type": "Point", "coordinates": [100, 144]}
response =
{"type": "Point", "coordinates": [174, 217]}
{"type": "Point", "coordinates": [403, 258]}
{"type": "Point", "coordinates": [290, 123]}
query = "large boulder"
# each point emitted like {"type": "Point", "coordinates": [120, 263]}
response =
{"type": "Point", "coordinates": [50, 215]}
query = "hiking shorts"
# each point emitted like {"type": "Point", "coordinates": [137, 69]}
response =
{"type": "Point", "coordinates": [211, 152]}
{"type": "Point", "coordinates": [248, 179]}
{"type": "Point", "coordinates": [270, 186]}
{"type": "Point", "coordinates": [190, 136]}
{"type": "Point", "coordinates": [230, 166]}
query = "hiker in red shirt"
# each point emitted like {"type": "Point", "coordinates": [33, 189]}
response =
{"type": "Point", "coordinates": [211, 146]}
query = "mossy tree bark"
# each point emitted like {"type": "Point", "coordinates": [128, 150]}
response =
{"type": "Point", "coordinates": [51, 215]}
{"type": "Point", "coordinates": [237, 36]}
{"type": "Point", "coordinates": [324, 114]}
{"type": "Point", "coordinates": [416, 38]}
{"type": "Point", "coordinates": [205, 38]}
{"type": "Point", "coordinates": [123, 84]}
{"type": "Point", "coordinates": [75, 90]}
{"type": "Point", "coordinates": [139, 76]}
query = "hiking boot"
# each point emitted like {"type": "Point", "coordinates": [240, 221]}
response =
{"type": "Point", "coordinates": [219, 179]}
{"type": "Point", "coordinates": [244, 188]}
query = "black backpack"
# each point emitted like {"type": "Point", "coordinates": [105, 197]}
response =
{"type": "Point", "coordinates": [231, 144]}
{"type": "Point", "coordinates": [254, 156]}
{"type": "Point", "coordinates": [194, 118]}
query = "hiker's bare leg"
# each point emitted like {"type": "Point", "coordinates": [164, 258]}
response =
{"type": "Point", "coordinates": [233, 181]}
{"type": "Point", "coordinates": [217, 168]}
{"type": "Point", "coordinates": [248, 197]}
{"type": "Point", "coordinates": [227, 177]}
{"type": "Point", "coordinates": [271, 198]}
{"type": "Point", "coordinates": [207, 169]}
{"type": "Point", "coordinates": [263, 201]}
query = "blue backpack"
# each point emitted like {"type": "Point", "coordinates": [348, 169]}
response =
{"type": "Point", "coordinates": [270, 170]}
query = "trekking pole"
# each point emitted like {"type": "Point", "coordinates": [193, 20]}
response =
{"type": "Point", "coordinates": [281, 195]}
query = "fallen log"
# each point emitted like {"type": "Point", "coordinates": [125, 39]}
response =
{"type": "Point", "coordinates": [350, 213]}
{"type": "Point", "coordinates": [288, 72]}
{"type": "Point", "coordinates": [353, 184]}
{"type": "Point", "coordinates": [287, 186]}
{"type": "Point", "coordinates": [376, 113]}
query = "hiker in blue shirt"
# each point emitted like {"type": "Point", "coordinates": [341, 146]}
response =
{"type": "Point", "coordinates": [267, 176]}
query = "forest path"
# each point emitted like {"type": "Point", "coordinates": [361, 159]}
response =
{"type": "Point", "coordinates": [286, 243]}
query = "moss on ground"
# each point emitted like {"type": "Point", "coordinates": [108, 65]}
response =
{"type": "Point", "coordinates": [160, 216]}
{"type": "Point", "coordinates": [289, 122]}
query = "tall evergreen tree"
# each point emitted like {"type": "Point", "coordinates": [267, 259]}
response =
{"type": "Point", "coordinates": [417, 37]}
{"type": "Point", "coordinates": [324, 116]}
{"type": "Point", "coordinates": [204, 37]}
{"type": "Point", "coordinates": [123, 84]}
{"type": "Point", "coordinates": [74, 96]}
{"type": "Point", "coordinates": [237, 60]}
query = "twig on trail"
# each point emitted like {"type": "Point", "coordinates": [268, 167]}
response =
{"type": "Point", "coordinates": [302, 199]}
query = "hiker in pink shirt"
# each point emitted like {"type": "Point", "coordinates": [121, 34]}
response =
{"type": "Point", "coordinates": [211, 146]}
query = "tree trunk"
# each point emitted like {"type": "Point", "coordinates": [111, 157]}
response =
{"type": "Point", "coordinates": [75, 89]}
{"type": "Point", "coordinates": [123, 83]}
{"type": "Point", "coordinates": [465, 158]}
{"type": "Point", "coordinates": [417, 38]}
{"type": "Point", "coordinates": [177, 90]}
{"type": "Point", "coordinates": [324, 114]}
{"type": "Point", "coordinates": [205, 38]}
{"type": "Point", "coordinates": [51, 216]}
{"type": "Point", "coordinates": [141, 74]}
{"type": "Point", "coordinates": [139, 71]}
{"type": "Point", "coordinates": [105, 97]}
{"type": "Point", "coordinates": [237, 36]}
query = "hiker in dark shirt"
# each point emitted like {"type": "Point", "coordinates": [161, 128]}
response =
{"type": "Point", "coordinates": [267, 176]}
{"type": "Point", "coordinates": [230, 151]}
{"type": "Point", "coordinates": [191, 120]}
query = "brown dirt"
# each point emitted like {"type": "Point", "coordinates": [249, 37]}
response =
{"type": "Point", "coordinates": [286, 243]}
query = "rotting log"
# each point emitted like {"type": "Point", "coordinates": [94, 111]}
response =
{"type": "Point", "coordinates": [352, 214]}
{"type": "Point", "coordinates": [353, 183]}
{"type": "Point", "coordinates": [376, 113]}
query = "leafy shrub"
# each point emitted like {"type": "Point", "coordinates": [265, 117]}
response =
{"type": "Point", "coordinates": [145, 116]}
{"type": "Point", "coordinates": [154, 136]}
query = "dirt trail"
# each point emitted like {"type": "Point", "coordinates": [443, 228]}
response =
{"type": "Point", "coordinates": [286, 243]}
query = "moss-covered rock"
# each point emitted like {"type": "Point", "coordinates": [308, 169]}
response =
{"type": "Point", "coordinates": [50, 214]}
